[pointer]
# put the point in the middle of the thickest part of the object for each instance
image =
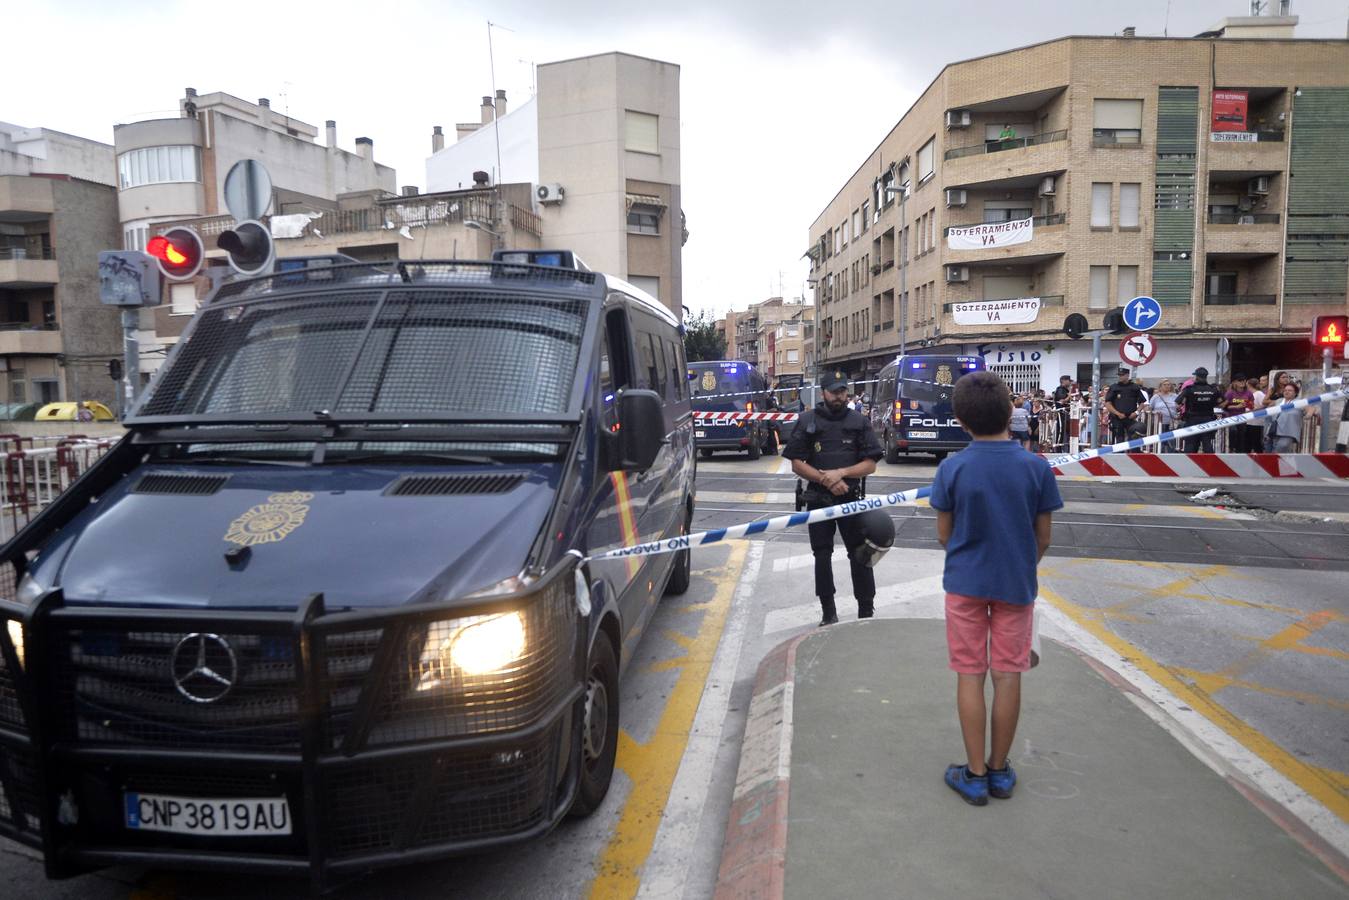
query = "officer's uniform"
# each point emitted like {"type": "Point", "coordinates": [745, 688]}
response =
{"type": "Point", "coordinates": [827, 440]}
{"type": "Point", "coordinates": [1199, 399]}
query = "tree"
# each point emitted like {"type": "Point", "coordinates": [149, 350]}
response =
{"type": "Point", "coordinates": [702, 340]}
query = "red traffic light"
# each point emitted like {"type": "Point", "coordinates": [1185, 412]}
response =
{"type": "Point", "coordinates": [1330, 333]}
{"type": "Point", "coordinates": [178, 251]}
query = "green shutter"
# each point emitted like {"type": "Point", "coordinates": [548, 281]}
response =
{"type": "Point", "coordinates": [1318, 198]}
{"type": "Point", "coordinates": [1173, 201]}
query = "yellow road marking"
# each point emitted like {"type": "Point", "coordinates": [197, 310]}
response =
{"type": "Point", "coordinates": [651, 767]}
{"type": "Point", "coordinates": [1170, 589]}
{"type": "Point", "coordinates": [1311, 779]}
{"type": "Point", "coordinates": [1212, 682]}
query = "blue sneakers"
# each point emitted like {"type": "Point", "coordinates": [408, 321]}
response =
{"type": "Point", "coordinates": [1001, 781]}
{"type": "Point", "coordinates": [973, 789]}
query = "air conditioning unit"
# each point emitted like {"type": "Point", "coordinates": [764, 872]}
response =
{"type": "Point", "coordinates": [1047, 186]}
{"type": "Point", "coordinates": [957, 118]}
{"type": "Point", "coordinates": [1260, 184]}
{"type": "Point", "coordinates": [550, 193]}
{"type": "Point", "coordinates": [955, 274]}
{"type": "Point", "coordinates": [956, 198]}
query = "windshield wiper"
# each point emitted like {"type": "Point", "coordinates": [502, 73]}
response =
{"type": "Point", "coordinates": [232, 460]}
{"type": "Point", "coordinates": [399, 456]}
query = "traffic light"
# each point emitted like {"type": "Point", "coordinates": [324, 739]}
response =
{"type": "Point", "coordinates": [1076, 325]}
{"type": "Point", "coordinates": [1330, 332]}
{"type": "Point", "coordinates": [1114, 322]}
{"type": "Point", "coordinates": [115, 369]}
{"type": "Point", "coordinates": [249, 245]}
{"type": "Point", "coordinates": [179, 253]}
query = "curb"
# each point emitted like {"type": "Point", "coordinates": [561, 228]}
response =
{"type": "Point", "coordinates": [754, 854]}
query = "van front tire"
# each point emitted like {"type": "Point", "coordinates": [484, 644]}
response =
{"type": "Point", "coordinates": [683, 565]}
{"type": "Point", "coordinates": [891, 450]}
{"type": "Point", "coordinates": [755, 451]}
{"type": "Point", "coordinates": [599, 729]}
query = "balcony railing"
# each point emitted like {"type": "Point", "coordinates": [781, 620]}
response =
{"type": "Point", "coordinates": [1240, 299]}
{"type": "Point", "coordinates": [1036, 221]}
{"type": "Point", "coordinates": [29, 326]}
{"type": "Point", "coordinates": [1009, 144]}
{"type": "Point", "coordinates": [24, 253]}
{"type": "Point", "coordinates": [1243, 219]}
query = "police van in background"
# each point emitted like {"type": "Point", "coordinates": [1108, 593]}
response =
{"type": "Point", "coordinates": [328, 605]}
{"type": "Point", "coordinates": [732, 385]}
{"type": "Point", "coordinates": [911, 410]}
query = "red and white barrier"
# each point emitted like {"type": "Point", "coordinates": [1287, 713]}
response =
{"type": "Point", "coordinates": [1211, 465]}
{"type": "Point", "coordinates": [726, 418]}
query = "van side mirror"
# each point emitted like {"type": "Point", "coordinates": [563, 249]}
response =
{"type": "Point", "coordinates": [641, 431]}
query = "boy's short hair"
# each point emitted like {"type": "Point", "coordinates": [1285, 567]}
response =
{"type": "Point", "coordinates": [982, 402]}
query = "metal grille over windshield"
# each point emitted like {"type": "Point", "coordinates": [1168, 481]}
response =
{"type": "Point", "coordinates": [413, 353]}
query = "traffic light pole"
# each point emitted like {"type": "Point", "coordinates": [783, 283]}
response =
{"type": "Point", "coordinates": [1094, 426]}
{"type": "Point", "coordinates": [1327, 362]}
{"type": "Point", "coordinates": [131, 368]}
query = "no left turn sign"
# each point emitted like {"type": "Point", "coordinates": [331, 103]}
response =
{"type": "Point", "coordinates": [1137, 349]}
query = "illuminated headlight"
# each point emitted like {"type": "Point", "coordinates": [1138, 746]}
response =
{"type": "Point", "coordinates": [15, 630]}
{"type": "Point", "coordinates": [483, 647]}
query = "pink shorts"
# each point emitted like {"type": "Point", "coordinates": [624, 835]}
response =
{"type": "Point", "coordinates": [983, 634]}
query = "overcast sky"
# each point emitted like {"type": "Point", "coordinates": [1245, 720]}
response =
{"type": "Point", "coordinates": [781, 99]}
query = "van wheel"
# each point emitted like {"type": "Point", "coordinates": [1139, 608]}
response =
{"type": "Point", "coordinates": [755, 451]}
{"type": "Point", "coordinates": [707, 454]}
{"type": "Point", "coordinates": [891, 449]}
{"type": "Point", "coordinates": [599, 729]}
{"type": "Point", "coordinates": [683, 564]}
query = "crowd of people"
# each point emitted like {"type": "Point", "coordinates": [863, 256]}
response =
{"type": "Point", "coordinates": [1129, 411]}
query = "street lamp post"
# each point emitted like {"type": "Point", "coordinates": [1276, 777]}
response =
{"type": "Point", "coordinates": [497, 237]}
{"type": "Point", "coordinates": [903, 190]}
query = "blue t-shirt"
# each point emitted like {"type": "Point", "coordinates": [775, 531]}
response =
{"type": "Point", "coordinates": [994, 489]}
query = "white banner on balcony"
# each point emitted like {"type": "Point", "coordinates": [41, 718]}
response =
{"type": "Point", "coordinates": [992, 234]}
{"type": "Point", "coordinates": [997, 312]}
{"type": "Point", "coordinates": [1233, 137]}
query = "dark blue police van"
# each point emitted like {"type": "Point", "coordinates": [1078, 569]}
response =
{"type": "Point", "coordinates": [732, 385]}
{"type": "Point", "coordinates": [326, 607]}
{"type": "Point", "coordinates": [911, 412]}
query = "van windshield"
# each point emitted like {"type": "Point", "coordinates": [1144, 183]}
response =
{"type": "Point", "coordinates": [416, 355]}
{"type": "Point", "coordinates": [931, 380]}
{"type": "Point", "coordinates": [710, 379]}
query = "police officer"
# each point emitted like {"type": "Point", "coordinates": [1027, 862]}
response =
{"type": "Point", "coordinates": [833, 448]}
{"type": "Point", "coordinates": [1199, 398]}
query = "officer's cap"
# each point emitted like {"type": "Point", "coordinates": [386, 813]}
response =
{"type": "Point", "coordinates": [1201, 372]}
{"type": "Point", "coordinates": [834, 380]}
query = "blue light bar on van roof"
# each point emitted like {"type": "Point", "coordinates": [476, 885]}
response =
{"type": "Point", "coordinates": [558, 259]}
{"type": "Point", "coordinates": [918, 365]}
{"type": "Point", "coordinates": [733, 367]}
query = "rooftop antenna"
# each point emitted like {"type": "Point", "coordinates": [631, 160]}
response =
{"type": "Point", "coordinates": [492, 66]}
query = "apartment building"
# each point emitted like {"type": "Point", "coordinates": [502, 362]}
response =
{"type": "Point", "coordinates": [600, 146]}
{"type": "Point", "coordinates": [58, 207]}
{"type": "Point", "coordinates": [1073, 175]}
{"type": "Point", "coordinates": [174, 170]}
{"type": "Point", "coordinates": [786, 344]}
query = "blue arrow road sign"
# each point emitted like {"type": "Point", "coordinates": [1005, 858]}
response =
{"type": "Point", "coordinates": [1142, 313]}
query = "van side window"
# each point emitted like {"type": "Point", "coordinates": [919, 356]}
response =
{"type": "Point", "coordinates": [615, 363]}
{"type": "Point", "coordinates": [648, 369]}
{"type": "Point", "coordinates": [678, 376]}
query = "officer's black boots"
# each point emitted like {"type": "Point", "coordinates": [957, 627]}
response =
{"type": "Point", "coordinates": [830, 614]}
{"type": "Point", "coordinates": [866, 609]}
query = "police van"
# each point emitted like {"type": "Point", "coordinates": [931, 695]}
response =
{"type": "Point", "coordinates": [327, 606]}
{"type": "Point", "coordinates": [731, 385]}
{"type": "Point", "coordinates": [911, 412]}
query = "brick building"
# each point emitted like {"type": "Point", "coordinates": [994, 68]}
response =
{"type": "Point", "coordinates": [1207, 172]}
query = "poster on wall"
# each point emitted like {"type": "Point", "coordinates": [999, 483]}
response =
{"type": "Point", "coordinates": [993, 234]}
{"type": "Point", "coordinates": [1229, 110]}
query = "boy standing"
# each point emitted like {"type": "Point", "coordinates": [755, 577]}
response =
{"type": "Point", "coordinates": [994, 506]}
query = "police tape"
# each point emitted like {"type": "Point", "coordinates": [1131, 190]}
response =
{"type": "Point", "coordinates": [900, 498]}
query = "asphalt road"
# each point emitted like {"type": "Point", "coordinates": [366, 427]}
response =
{"type": "Point", "coordinates": [1245, 616]}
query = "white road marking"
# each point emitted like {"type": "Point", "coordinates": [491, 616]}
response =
{"type": "Point", "coordinates": [784, 467]}
{"type": "Point", "coordinates": [921, 598]}
{"type": "Point", "coordinates": [665, 873]}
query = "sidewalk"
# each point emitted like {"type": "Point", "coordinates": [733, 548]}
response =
{"type": "Point", "coordinates": [840, 792]}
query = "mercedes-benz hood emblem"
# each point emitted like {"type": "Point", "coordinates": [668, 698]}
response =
{"type": "Point", "coordinates": [205, 668]}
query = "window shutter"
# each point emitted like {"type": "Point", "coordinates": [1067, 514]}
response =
{"type": "Point", "coordinates": [642, 133]}
{"type": "Point", "coordinates": [1100, 205]}
{"type": "Point", "coordinates": [1118, 114]}
{"type": "Point", "coordinates": [1128, 205]}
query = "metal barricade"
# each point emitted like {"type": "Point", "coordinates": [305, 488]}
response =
{"type": "Point", "coordinates": [33, 477]}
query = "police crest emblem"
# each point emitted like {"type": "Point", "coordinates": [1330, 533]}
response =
{"type": "Point", "coordinates": [943, 375]}
{"type": "Point", "coordinates": [709, 381]}
{"type": "Point", "coordinates": [271, 521]}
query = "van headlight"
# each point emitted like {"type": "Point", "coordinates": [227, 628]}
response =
{"type": "Point", "coordinates": [485, 646]}
{"type": "Point", "coordinates": [15, 629]}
